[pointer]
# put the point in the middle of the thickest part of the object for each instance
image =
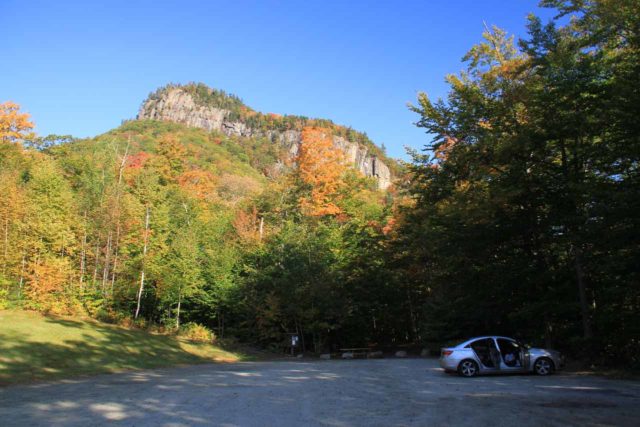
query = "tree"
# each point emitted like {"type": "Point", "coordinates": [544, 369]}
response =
{"type": "Point", "coordinates": [14, 126]}
{"type": "Point", "coordinates": [320, 169]}
{"type": "Point", "coordinates": [527, 178]}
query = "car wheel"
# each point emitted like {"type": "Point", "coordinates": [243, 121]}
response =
{"type": "Point", "coordinates": [468, 368]}
{"type": "Point", "coordinates": [543, 366]}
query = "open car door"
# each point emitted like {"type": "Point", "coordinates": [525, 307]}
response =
{"type": "Point", "coordinates": [514, 354]}
{"type": "Point", "coordinates": [485, 349]}
{"type": "Point", "coordinates": [526, 357]}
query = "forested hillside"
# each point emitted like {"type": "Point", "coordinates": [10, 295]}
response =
{"type": "Point", "coordinates": [168, 224]}
{"type": "Point", "coordinates": [521, 217]}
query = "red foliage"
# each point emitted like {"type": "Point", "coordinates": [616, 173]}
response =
{"type": "Point", "coordinates": [138, 160]}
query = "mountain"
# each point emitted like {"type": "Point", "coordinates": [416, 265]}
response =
{"type": "Point", "coordinates": [197, 105]}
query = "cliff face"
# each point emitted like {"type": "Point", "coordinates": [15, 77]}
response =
{"type": "Point", "coordinates": [177, 105]}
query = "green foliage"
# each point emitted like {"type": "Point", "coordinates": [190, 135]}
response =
{"type": "Point", "coordinates": [204, 95]}
{"type": "Point", "coordinates": [523, 221]}
{"type": "Point", "coordinates": [520, 218]}
{"type": "Point", "coordinates": [238, 111]}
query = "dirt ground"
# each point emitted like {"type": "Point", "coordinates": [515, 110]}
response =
{"type": "Point", "coordinates": [330, 393]}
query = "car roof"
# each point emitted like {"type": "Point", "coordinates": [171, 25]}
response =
{"type": "Point", "coordinates": [470, 340]}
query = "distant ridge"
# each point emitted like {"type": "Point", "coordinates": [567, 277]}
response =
{"type": "Point", "coordinates": [198, 105]}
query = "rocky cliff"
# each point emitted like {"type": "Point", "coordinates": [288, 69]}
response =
{"type": "Point", "coordinates": [180, 104]}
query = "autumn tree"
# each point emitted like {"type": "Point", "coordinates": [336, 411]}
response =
{"type": "Point", "coordinates": [320, 169]}
{"type": "Point", "coordinates": [14, 125]}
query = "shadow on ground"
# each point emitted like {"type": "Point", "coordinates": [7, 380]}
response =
{"type": "Point", "coordinates": [334, 393]}
{"type": "Point", "coordinates": [78, 348]}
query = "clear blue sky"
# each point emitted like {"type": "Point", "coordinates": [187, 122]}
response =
{"type": "Point", "coordinates": [80, 67]}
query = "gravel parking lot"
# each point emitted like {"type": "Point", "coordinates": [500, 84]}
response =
{"type": "Point", "coordinates": [330, 393]}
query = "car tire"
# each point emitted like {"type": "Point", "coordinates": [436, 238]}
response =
{"type": "Point", "coordinates": [468, 368]}
{"type": "Point", "coordinates": [543, 366]}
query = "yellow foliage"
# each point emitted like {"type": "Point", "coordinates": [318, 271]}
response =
{"type": "Point", "coordinates": [198, 183]}
{"type": "Point", "coordinates": [484, 124]}
{"type": "Point", "coordinates": [14, 126]}
{"type": "Point", "coordinates": [46, 282]}
{"type": "Point", "coordinates": [321, 166]}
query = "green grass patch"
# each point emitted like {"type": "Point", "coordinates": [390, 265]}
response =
{"type": "Point", "coordinates": [35, 347]}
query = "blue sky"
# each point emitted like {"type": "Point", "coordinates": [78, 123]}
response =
{"type": "Point", "coordinates": [81, 67]}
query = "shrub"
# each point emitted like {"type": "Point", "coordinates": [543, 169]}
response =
{"type": "Point", "coordinates": [196, 332]}
{"type": "Point", "coordinates": [4, 293]}
{"type": "Point", "coordinates": [4, 299]}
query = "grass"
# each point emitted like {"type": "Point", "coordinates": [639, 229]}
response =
{"type": "Point", "coordinates": [34, 347]}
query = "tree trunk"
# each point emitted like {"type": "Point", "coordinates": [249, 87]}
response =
{"type": "Point", "coordinates": [222, 325]}
{"type": "Point", "coordinates": [118, 213]}
{"type": "Point", "coordinates": [144, 255]}
{"type": "Point", "coordinates": [83, 254]}
{"type": "Point", "coordinates": [24, 263]}
{"type": "Point", "coordinates": [6, 245]}
{"type": "Point", "coordinates": [178, 311]}
{"type": "Point", "coordinates": [412, 319]}
{"type": "Point", "coordinates": [96, 265]}
{"type": "Point", "coordinates": [584, 309]}
{"type": "Point", "coordinates": [105, 270]}
{"type": "Point", "coordinates": [113, 270]}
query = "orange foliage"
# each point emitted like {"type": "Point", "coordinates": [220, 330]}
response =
{"type": "Point", "coordinates": [247, 226]}
{"type": "Point", "coordinates": [321, 166]}
{"type": "Point", "coordinates": [199, 183]}
{"type": "Point", "coordinates": [442, 152]}
{"type": "Point", "coordinates": [47, 280]}
{"type": "Point", "coordinates": [138, 160]}
{"type": "Point", "coordinates": [14, 125]}
{"type": "Point", "coordinates": [389, 227]}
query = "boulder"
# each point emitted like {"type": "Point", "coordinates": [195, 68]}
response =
{"type": "Point", "coordinates": [374, 355]}
{"type": "Point", "coordinates": [401, 353]}
{"type": "Point", "coordinates": [424, 352]}
{"type": "Point", "coordinates": [325, 356]}
{"type": "Point", "coordinates": [347, 355]}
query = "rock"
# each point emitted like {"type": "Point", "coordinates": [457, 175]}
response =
{"type": "Point", "coordinates": [401, 353]}
{"type": "Point", "coordinates": [325, 356]}
{"type": "Point", "coordinates": [374, 355]}
{"type": "Point", "coordinates": [347, 355]}
{"type": "Point", "coordinates": [177, 105]}
{"type": "Point", "coordinates": [425, 352]}
{"type": "Point", "coordinates": [300, 356]}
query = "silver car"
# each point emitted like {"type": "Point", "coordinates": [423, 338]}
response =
{"type": "Point", "coordinates": [498, 355]}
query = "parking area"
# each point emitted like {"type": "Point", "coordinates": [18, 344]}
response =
{"type": "Point", "coordinates": [382, 392]}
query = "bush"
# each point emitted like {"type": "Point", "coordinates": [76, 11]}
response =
{"type": "Point", "coordinates": [4, 293]}
{"type": "Point", "coordinates": [196, 332]}
{"type": "Point", "coordinates": [4, 299]}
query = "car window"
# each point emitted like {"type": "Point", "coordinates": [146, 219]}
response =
{"type": "Point", "coordinates": [507, 346]}
{"type": "Point", "coordinates": [481, 344]}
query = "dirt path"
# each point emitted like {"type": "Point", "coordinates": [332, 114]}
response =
{"type": "Point", "coordinates": [331, 393]}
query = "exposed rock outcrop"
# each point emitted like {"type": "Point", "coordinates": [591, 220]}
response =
{"type": "Point", "coordinates": [177, 105]}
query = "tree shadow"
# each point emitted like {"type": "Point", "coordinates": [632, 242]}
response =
{"type": "Point", "coordinates": [379, 392]}
{"type": "Point", "coordinates": [93, 349]}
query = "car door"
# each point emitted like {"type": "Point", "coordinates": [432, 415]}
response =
{"type": "Point", "coordinates": [526, 357]}
{"type": "Point", "coordinates": [484, 350]}
{"type": "Point", "coordinates": [513, 356]}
